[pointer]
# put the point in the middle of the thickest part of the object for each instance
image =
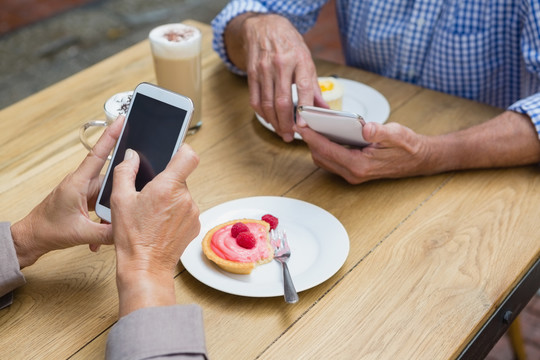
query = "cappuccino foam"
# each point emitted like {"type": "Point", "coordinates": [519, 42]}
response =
{"type": "Point", "coordinates": [175, 41]}
{"type": "Point", "coordinates": [117, 104]}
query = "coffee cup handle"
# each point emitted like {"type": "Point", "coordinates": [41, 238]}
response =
{"type": "Point", "coordinates": [86, 126]}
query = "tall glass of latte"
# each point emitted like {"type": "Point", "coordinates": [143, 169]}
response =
{"type": "Point", "coordinates": [176, 49]}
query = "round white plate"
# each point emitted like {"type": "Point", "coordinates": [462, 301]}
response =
{"type": "Point", "coordinates": [319, 246]}
{"type": "Point", "coordinates": [357, 98]}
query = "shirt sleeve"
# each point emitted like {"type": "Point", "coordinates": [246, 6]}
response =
{"type": "Point", "coordinates": [172, 332]}
{"type": "Point", "coordinates": [302, 14]}
{"type": "Point", "coordinates": [529, 106]}
{"type": "Point", "coordinates": [530, 49]}
{"type": "Point", "coordinates": [11, 276]}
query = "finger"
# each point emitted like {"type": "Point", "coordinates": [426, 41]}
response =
{"type": "Point", "coordinates": [94, 247]}
{"type": "Point", "coordinates": [305, 131]}
{"type": "Point", "coordinates": [266, 83]}
{"type": "Point", "coordinates": [182, 164]}
{"type": "Point", "coordinates": [306, 96]}
{"type": "Point", "coordinates": [99, 234]}
{"type": "Point", "coordinates": [318, 98]}
{"type": "Point", "coordinates": [255, 94]}
{"type": "Point", "coordinates": [254, 72]}
{"type": "Point", "coordinates": [96, 158]}
{"type": "Point", "coordinates": [283, 104]}
{"type": "Point", "coordinates": [125, 174]}
{"type": "Point", "coordinates": [333, 155]}
{"type": "Point", "coordinates": [335, 159]}
{"type": "Point", "coordinates": [300, 123]}
{"type": "Point", "coordinates": [306, 83]}
{"type": "Point", "coordinates": [96, 234]}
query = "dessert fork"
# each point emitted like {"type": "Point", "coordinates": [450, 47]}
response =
{"type": "Point", "coordinates": [282, 252]}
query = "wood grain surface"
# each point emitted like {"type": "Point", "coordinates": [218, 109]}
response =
{"type": "Point", "coordinates": [430, 257]}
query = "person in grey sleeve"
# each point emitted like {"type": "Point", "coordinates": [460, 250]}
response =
{"type": "Point", "coordinates": [151, 324]}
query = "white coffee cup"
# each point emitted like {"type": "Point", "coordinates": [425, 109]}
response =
{"type": "Point", "coordinates": [117, 104]}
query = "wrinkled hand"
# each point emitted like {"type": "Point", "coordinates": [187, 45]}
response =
{"type": "Point", "coordinates": [395, 151]}
{"type": "Point", "coordinates": [151, 229]}
{"type": "Point", "coordinates": [62, 219]}
{"type": "Point", "coordinates": [277, 56]}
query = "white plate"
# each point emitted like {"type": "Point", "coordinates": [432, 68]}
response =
{"type": "Point", "coordinates": [358, 98]}
{"type": "Point", "coordinates": [319, 246]}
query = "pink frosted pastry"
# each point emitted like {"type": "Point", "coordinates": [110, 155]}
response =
{"type": "Point", "coordinates": [238, 246]}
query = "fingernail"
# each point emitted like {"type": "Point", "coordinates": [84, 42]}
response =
{"type": "Point", "coordinates": [287, 138]}
{"type": "Point", "coordinates": [128, 155]}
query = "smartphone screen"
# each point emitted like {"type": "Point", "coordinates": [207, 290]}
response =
{"type": "Point", "coordinates": [152, 129]}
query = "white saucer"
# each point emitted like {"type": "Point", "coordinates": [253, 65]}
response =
{"type": "Point", "coordinates": [313, 259]}
{"type": "Point", "coordinates": [358, 98]}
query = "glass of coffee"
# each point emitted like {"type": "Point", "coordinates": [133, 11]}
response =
{"type": "Point", "coordinates": [176, 49]}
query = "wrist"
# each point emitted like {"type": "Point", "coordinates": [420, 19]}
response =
{"type": "Point", "coordinates": [236, 39]}
{"type": "Point", "coordinates": [25, 243]}
{"type": "Point", "coordinates": [138, 288]}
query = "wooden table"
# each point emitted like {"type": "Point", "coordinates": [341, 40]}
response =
{"type": "Point", "coordinates": [432, 259]}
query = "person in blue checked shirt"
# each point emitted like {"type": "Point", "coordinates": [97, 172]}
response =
{"type": "Point", "coordinates": [488, 51]}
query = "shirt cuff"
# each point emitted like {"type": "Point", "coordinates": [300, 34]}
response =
{"type": "Point", "coordinates": [11, 276]}
{"type": "Point", "coordinates": [529, 106]}
{"type": "Point", "coordinates": [158, 331]}
{"type": "Point", "coordinates": [220, 22]}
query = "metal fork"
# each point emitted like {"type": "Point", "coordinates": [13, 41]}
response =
{"type": "Point", "coordinates": [282, 252]}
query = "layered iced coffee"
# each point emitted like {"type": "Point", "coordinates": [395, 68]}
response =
{"type": "Point", "coordinates": [176, 49]}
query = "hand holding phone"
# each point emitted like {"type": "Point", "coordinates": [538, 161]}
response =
{"type": "Point", "coordinates": [341, 127]}
{"type": "Point", "coordinates": [156, 125]}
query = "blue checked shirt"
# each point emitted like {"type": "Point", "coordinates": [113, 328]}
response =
{"type": "Point", "coordinates": [485, 50]}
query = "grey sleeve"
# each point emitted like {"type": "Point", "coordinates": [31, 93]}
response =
{"type": "Point", "coordinates": [11, 276]}
{"type": "Point", "coordinates": [171, 332]}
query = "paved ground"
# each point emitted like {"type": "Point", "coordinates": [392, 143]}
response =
{"type": "Point", "coordinates": [38, 55]}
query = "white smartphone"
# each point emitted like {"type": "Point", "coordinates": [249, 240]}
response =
{"type": "Point", "coordinates": [156, 125]}
{"type": "Point", "coordinates": [342, 127]}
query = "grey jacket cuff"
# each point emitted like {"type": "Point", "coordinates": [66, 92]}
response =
{"type": "Point", "coordinates": [11, 276]}
{"type": "Point", "coordinates": [167, 331]}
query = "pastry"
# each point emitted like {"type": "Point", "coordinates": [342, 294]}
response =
{"type": "Point", "coordinates": [238, 246]}
{"type": "Point", "coordinates": [332, 92]}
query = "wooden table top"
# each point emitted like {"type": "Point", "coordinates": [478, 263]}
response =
{"type": "Point", "coordinates": [430, 258]}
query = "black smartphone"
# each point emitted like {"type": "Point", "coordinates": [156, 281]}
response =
{"type": "Point", "coordinates": [156, 125]}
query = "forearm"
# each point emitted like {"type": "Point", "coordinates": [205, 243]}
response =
{"type": "Point", "coordinates": [506, 140]}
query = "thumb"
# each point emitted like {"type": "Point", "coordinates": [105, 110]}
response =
{"type": "Point", "coordinates": [182, 164]}
{"type": "Point", "coordinates": [373, 132]}
{"type": "Point", "coordinates": [97, 234]}
{"type": "Point", "coordinates": [125, 173]}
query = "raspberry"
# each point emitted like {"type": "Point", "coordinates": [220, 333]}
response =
{"type": "Point", "coordinates": [237, 228]}
{"type": "Point", "coordinates": [246, 240]}
{"type": "Point", "coordinates": [272, 220]}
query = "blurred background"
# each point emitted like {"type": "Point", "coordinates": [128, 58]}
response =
{"type": "Point", "coordinates": [44, 41]}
